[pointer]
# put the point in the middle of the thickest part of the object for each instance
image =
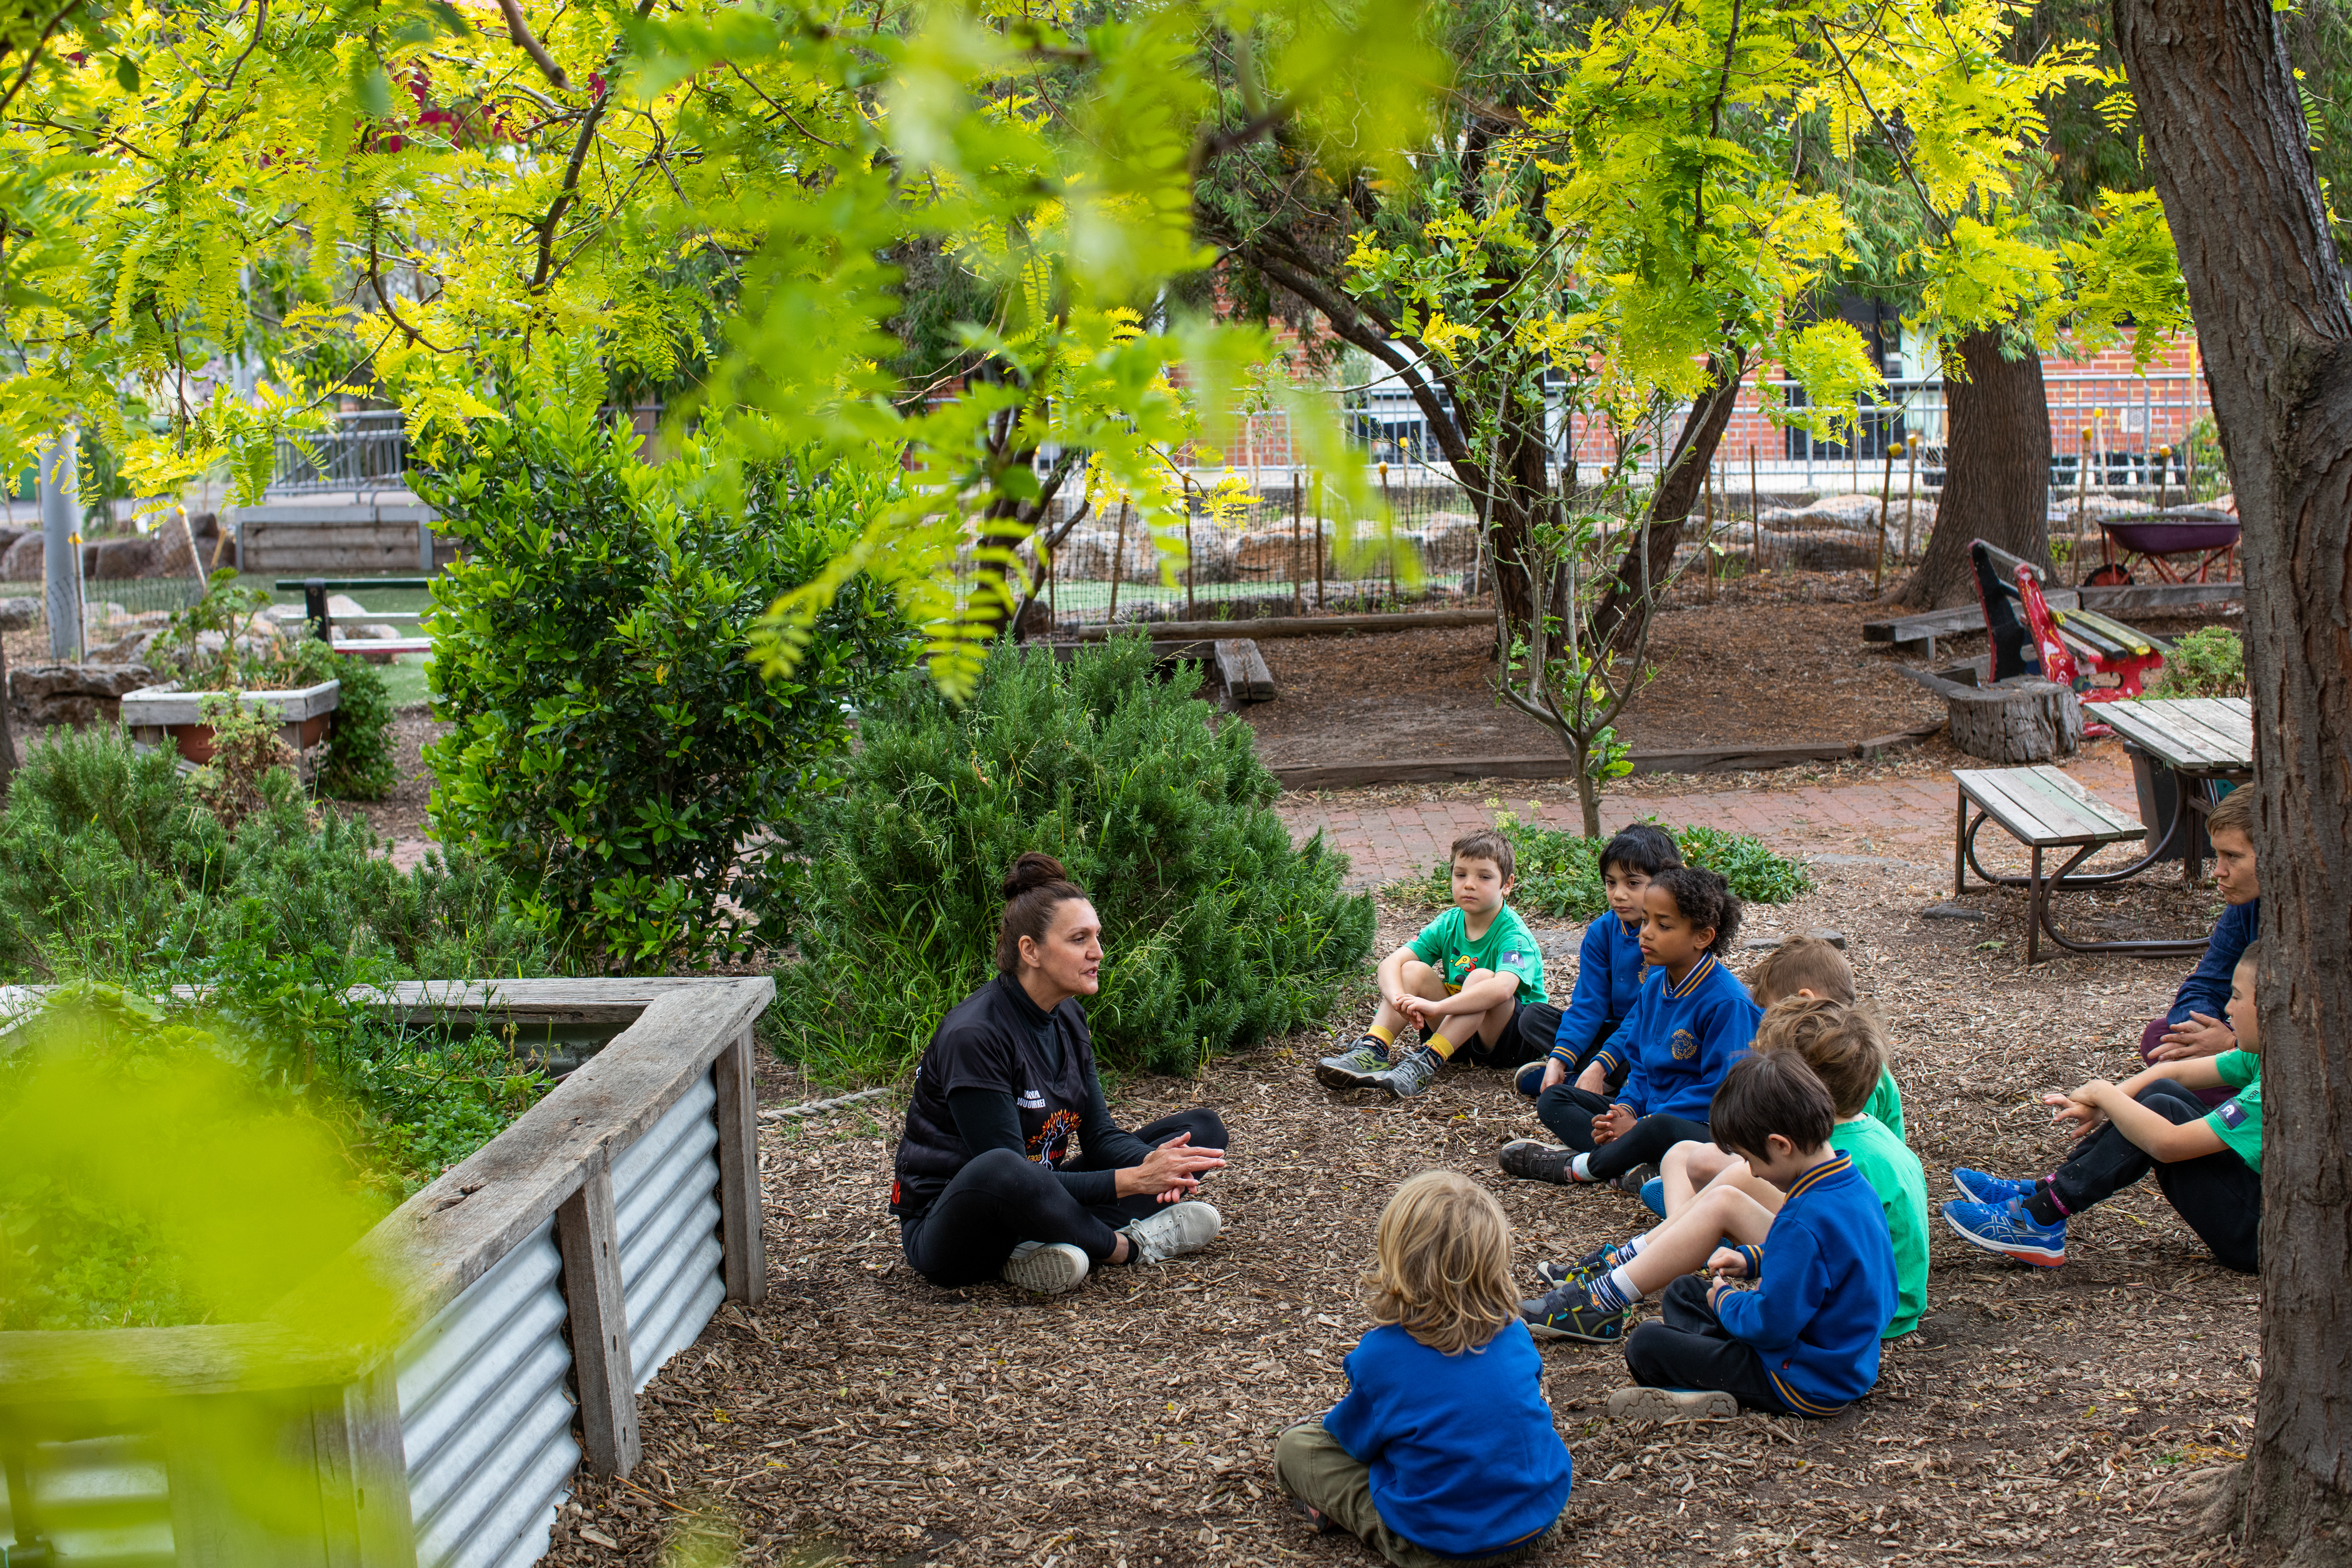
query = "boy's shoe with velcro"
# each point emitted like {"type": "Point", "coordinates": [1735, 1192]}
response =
{"type": "Point", "coordinates": [1670, 1404]}
{"type": "Point", "coordinates": [1591, 1267]}
{"type": "Point", "coordinates": [1979, 1187]}
{"type": "Point", "coordinates": [1528, 1080]}
{"type": "Point", "coordinates": [1048, 1268]}
{"type": "Point", "coordinates": [1172, 1232]}
{"type": "Point", "coordinates": [1354, 1068]}
{"type": "Point", "coordinates": [1634, 1180]}
{"type": "Point", "coordinates": [1411, 1076]}
{"type": "Point", "coordinates": [1535, 1160]}
{"type": "Point", "coordinates": [1569, 1313]}
{"type": "Point", "coordinates": [2008, 1229]}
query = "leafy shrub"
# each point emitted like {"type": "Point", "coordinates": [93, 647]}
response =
{"type": "Point", "coordinates": [612, 751]}
{"type": "Point", "coordinates": [1560, 872]}
{"type": "Point", "coordinates": [359, 764]}
{"type": "Point", "coordinates": [2209, 662]}
{"type": "Point", "coordinates": [1217, 932]}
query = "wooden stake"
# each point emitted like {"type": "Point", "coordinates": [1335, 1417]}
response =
{"type": "Point", "coordinates": [1886, 488]}
{"type": "Point", "coordinates": [1187, 548]}
{"type": "Point", "coordinates": [1388, 532]}
{"type": "Point", "coordinates": [1297, 508]}
{"type": "Point", "coordinates": [1707, 531]}
{"type": "Point", "coordinates": [1756, 508]}
{"type": "Point", "coordinates": [1118, 562]}
{"type": "Point", "coordinates": [1910, 497]}
{"type": "Point", "coordinates": [1318, 541]}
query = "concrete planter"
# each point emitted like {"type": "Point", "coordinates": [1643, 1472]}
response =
{"type": "Point", "coordinates": [155, 714]}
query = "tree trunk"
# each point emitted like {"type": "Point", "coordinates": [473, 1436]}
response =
{"type": "Point", "coordinates": [1652, 554]}
{"type": "Point", "coordinates": [1522, 482]}
{"type": "Point", "coordinates": [2224, 124]}
{"type": "Point", "coordinates": [1996, 471]}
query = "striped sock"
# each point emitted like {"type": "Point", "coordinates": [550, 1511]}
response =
{"type": "Point", "coordinates": [1624, 1252]}
{"type": "Point", "coordinates": [1613, 1292]}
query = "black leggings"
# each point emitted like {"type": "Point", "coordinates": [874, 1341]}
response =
{"type": "Point", "coordinates": [1569, 1111]}
{"type": "Point", "coordinates": [1686, 1346]}
{"type": "Point", "coordinates": [1001, 1199]}
{"type": "Point", "coordinates": [2219, 1194]}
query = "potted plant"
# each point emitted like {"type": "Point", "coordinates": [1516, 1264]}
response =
{"type": "Point", "coordinates": [223, 655]}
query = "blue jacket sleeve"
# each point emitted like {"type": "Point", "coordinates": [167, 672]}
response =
{"type": "Point", "coordinates": [1355, 1422]}
{"type": "Point", "coordinates": [2207, 989]}
{"type": "Point", "coordinates": [1796, 1282]}
{"type": "Point", "coordinates": [1587, 1004]}
{"type": "Point", "coordinates": [1727, 1028]}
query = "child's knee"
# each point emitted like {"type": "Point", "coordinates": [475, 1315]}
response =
{"type": "Point", "coordinates": [1422, 979]}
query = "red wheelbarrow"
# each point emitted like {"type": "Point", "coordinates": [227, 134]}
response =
{"type": "Point", "coordinates": [2202, 532]}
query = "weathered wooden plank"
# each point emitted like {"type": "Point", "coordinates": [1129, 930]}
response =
{"type": "Point", "coordinates": [602, 1370]}
{"type": "Point", "coordinates": [38, 1368]}
{"type": "Point", "coordinates": [2129, 597]}
{"type": "Point", "coordinates": [1243, 670]}
{"type": "Point", "coordinates": [2067, 799]}
{"type": "Point", "coordinates": [1731, 759]}
{"type": "Point", "coordinates": [1302, 625]}
{"type": "Point", "coordinates": [2035, 812]}
{"type": "Point", "coordinates": [2228, 722]}
{"type": "Point", "coordinates": [740, 1209]}
{"type": "Point", "coordinates": [363, 1471]}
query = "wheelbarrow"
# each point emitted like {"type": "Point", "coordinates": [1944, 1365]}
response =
{"type": "Point", "coordinates": [2156, 538]}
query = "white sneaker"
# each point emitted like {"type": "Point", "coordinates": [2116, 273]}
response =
{"type": "Point", "coordinates": [1048, 1268]}
{"type": "Point", "coordinates": [1670, 1404]}
{"type": "Point", "coordinates": [1174, 1231]}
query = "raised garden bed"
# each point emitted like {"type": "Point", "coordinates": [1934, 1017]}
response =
{"type": "Point", "coordinates": [543, 1281]}
{"type": "Point", "coordinates": [157, 714]}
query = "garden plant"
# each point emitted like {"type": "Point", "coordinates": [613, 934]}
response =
{"type": "Point", "coordinates": [1560, 872]}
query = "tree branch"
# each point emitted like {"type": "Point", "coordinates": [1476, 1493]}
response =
{"type": "Point", "coordinates": [519, 31]}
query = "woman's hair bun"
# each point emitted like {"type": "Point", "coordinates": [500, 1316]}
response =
{"type": "Point", "coordinates": [1034, 870]}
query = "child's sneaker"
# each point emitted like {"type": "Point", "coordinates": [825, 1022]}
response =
{"type": "Point", "coordinates": [1591, 1267]}
{"type": "Point", "coordinates": [1534, 1160]}
{"type": "Point", "coordinates": [1355, 1067]}
{"type": "Point", "coordinates": [1528, 1080]}
{"type": "Point", "coordinates": [1048, 1268]}
{"type": "Point", "coordinates": [1980, 1188]}
{"type": "Point", "coordinates": [1174, 1231]}
{"type": "Point", "coordinates": [1570, 1313]}
{"type": "Point", "coordinates": [1634, 1180]}
{"type": "Point", "coordinates": [1411, 1076]}
{"type": "Point", "coordinates": [1670, 1404]}
{"type": "Point", "coordinates": [2008, 1229]}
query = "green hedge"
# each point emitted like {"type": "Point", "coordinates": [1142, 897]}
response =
{"type": "Point", "coordinates": [1217, 932]}
{"type": "Point", "coordinates": [1560, 872]}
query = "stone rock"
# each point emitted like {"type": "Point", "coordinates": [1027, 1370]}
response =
{"type": "Point", "coordinates": [115, 559]}
{"type": "Point", "coordinates": [131, 648]}
{"type": "Point", "coordinates": [8, 537]}
{"type": "Point", "coordinates": [76, 693]}
{"type": "Point", "coordinates": [1825, 549]}
{"type": "Point", "coordinates": [23, 562]}
{"type": "Point", "coordinates": [1951, 912]}
{"type": "Point", "coordinates": [18, 614]}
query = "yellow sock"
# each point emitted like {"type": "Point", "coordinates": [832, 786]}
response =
{"type": "Point", "coordinates": [1441, 1046]}
{"type": "Point", "coordinates": [1385, 1037]}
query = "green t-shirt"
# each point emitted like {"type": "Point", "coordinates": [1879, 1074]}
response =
{"type": "Point", "coordinates": [1886, 1105]}
{"type": "Point", "coordinates": [2238, 1121]}
{"type": "Point", "coordinates": [1507, 948]}
{"type": "Point", "coordinates": [1894, 1174]}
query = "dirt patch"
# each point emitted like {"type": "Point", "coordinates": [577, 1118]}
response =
{"type": "Point", "coordinates": [400, 813]}
{"type": "Point", "coordinates": [861, 1415]}
{"type": "Point", "coordinates": [1754, 668]}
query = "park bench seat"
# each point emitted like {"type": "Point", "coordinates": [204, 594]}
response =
{"type": "Point", "coordinates": [2032, 637]}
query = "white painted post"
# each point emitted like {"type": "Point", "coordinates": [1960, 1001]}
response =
{"type": "Point", "coordinates": [60, 511]}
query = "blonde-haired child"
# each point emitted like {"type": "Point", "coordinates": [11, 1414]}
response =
{"type": "Point", "coordinates": [1444, 1449]}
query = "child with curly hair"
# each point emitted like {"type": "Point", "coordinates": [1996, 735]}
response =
{"type": "Point", "coordinates": [1443, 1450]}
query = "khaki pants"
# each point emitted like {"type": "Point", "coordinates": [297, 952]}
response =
{"type": "Point", "coordinates": [1311, 1467]}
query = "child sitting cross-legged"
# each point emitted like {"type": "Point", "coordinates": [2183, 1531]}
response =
{"type": "Point", "coordinates": [1812, 966]}
{"type": "Point", "coordinates": [1693, 1021]}
{"type": "Point", "coordinates": [2196, 1026]}
{"type": "Point", "coordinates": [2207, 1159]}
{"type": "Point", "coordinates": [1565, 1040]}
{"type": "Point", "coordinates": [1443, 1450]}
{"type": "Point", "coordinates": [1462, 981]}
{"type": "Point", "coordinates": [1804, 1340]}
{"type": "Point", "coordinates": [1846, 1050]}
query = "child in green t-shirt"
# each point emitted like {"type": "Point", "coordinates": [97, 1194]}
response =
{"type": "Point", "coordinates": [1462, 981]}
{"type": "Point", "coordinates": [1847, 1052]}
{"type": "Point", "coordinates": [2207, 1159]}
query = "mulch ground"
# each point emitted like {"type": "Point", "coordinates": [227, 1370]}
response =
{"type": "Point", "coordinates": [2074, 1414]}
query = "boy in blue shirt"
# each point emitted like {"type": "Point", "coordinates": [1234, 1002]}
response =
{"type": "Point", "coordinates": [1804, 1340]}
{"type": "Point", "coordinates": [2195, 1026]}
{"type": "Point", "coordinates": [1563, 1041]}
{"type": "Point", "coordinates": [1444, 1449]}
{"type": "Point", "coordinates": [1693, 1020]}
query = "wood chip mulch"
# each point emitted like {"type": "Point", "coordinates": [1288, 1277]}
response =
{"type": "Point", "coordinates": [2039, 1416]}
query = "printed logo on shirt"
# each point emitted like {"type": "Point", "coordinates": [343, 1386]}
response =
{"type": "Point", "coordinates": [1031, 1101]}
{"type": "Point", "coordinates": [2232, 1114]}
{"type": "Point", "coordinates": [1051, 1145]}
{"type": "Point", "coordinates": [1684, 1044]}
{"type": "Point", "coordinates": [1512, 956]}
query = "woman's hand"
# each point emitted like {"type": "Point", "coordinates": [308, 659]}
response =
{"type": "Point", "coordinates": [2081, 1107]}
{"type": "Point", "coordinates": [1171, 1172]}
{"type": "Point", "coordinates": [1613, 1123]}
{"type": "Point", "coordinates": [2201, 1036]}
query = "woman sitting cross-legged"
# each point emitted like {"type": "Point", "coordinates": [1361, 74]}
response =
{"type": "Point", "coordinates": [1010, 1163]}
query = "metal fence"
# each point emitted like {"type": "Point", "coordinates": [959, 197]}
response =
{"type": "Point", "coordinates": [367, 449]}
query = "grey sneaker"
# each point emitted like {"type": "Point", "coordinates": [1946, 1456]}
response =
{"type": "Point", "coordinates": [1174, 1231]}
{"type": "Point", "coordinates": [1634, 1180]}
{"type": "Point", "coordinates": [1590, 1267]}
{"type": "Point", "coordinates": [1048, 1268]}
{"type": "Point", "coordinates": [1535, 1160]}
{"type": "Point", "coordinates": [1411, 1076]}
{"type": "Point", "coordinates": [1354, 1068]}
{"type": "Point", "coordinates": [1670, 1404]}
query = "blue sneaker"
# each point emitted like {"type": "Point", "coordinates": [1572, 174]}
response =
{"type": "Point", "coordinates": [1654, 1192]}
{"type": "Point", "coordinates": [2008, 1229]}
{"type": "Point", "coordinates": [1980, 1188]}
{"type": "Point", "coordinates": [1528, 1080]}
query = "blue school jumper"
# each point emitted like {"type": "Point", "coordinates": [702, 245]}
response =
{"type": "Point", "coordinates": [1608, 983]}
{"type": "Point", "coordinates": [1681, 1039]}
{"type": "Point", "coordinates": [1465, 1461]}
{"type": "Point", "coordinates": [2207, 989]}
{"type": "Point", "coordinates": [1827, 1269]}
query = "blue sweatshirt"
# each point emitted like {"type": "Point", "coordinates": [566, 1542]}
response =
{"type": "Point", "coordinates": [2207, 990]}
{"type": "Point", "coordinates": [1465, 1461]}
{"type": "Point", "coordinates": [1608, 982]}
{"type": "Point", "coordinates": [1827, 1269]}
{"type": "Point", "coordinates": [1681, 1039]}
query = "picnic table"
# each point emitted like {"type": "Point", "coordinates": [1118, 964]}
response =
{"type": "Point", "coordinates": [2200, 742]}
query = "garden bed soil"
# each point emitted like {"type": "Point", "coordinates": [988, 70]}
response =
{"type": "Point", "coordinates": [2056, 1416]}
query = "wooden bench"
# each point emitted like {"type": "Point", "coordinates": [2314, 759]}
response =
{"type": "Point", "coordinates": [2032, 636]}
{"type": "Point", "coordinates": [2043, 809]}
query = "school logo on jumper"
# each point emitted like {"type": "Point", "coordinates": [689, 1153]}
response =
{"type": "Point", "coordinates": [1684, 1044]}
{"type": "Point", "coordinates": [1050, 1145]}
{"type": "Point", "coordinates": [2232, 1114]}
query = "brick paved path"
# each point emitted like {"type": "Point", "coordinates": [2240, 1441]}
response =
{"type": "Point", "coordinates": [1904, 819]}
